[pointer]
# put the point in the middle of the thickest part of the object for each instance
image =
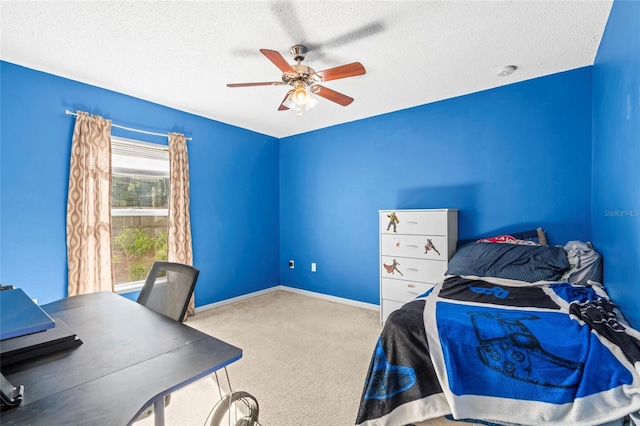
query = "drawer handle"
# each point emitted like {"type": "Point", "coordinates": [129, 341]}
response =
{"type": "Point", "coordinates": [413, 222]}
{"type": "Point", "coordinates": [412, 245]}
{"type": "Point", "coordinates": [412, 269]}
{"type": "Point", "coordinates": [411, 288]}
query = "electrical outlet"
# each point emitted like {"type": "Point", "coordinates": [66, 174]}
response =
{"type": "Point", "coordinates": [291, 265]}
{"type": "Point", "coordinates": [313, 267]}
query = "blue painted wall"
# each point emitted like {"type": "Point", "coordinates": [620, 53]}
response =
{"type": "Point", "coordinates": [234, 186]}
{"type": "Point", "coordinates": [511, 158]}
{"type": "Point", "coordinates": [616, 156]}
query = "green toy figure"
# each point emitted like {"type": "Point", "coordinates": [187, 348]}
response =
{"type": "Point", "coordinates": [393, 220]}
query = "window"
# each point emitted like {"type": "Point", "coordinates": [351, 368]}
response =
{"type": "Point", "coordinates": [139, 209]}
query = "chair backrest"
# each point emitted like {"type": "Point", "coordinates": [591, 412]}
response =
{"type": "Point", "coordinates": [168, 289]}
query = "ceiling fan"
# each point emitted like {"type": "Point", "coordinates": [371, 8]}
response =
{"type": "Point", "coordinates": [305, 80]}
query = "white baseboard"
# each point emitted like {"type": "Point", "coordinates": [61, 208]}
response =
{"type": "Point", "coordinates": [236, 299]}
{"type": "Point", "coordinates": [336, 299]}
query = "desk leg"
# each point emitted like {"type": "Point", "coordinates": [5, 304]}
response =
{"type": "Point", "coordinates": [158, 412]}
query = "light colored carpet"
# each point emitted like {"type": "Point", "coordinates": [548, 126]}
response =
{"type": "Point", "coordinates": [304, 359]}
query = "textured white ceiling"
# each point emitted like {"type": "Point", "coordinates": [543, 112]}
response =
{"type": "Point", "coordinates": [182, 53]}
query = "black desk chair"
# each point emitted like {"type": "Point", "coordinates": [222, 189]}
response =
{"type": "Point", "coordinates": [168, 289]}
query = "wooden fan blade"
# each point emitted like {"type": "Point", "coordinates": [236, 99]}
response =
{"type": "Point", "coordinates": [343, 71]}
{"type": "Point", "coordinates": [264, 83]}
{"type": "Point", "coordinates": [332, 95]}
{"type": "Point", "coordinates": [278, 60]}
{"type": "Point", "coordinates": [282, 107]}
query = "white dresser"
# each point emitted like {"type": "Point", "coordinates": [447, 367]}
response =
{"type": "Point", "coordinates": [415, 248]}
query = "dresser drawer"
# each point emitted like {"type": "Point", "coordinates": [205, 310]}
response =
{"type": "Point", "coordinates": [420, 223]}
{"type": "Point", "coordinates": [402, 291]}
{"type": "Point", "coordinates": [397, 245]}
{"type": "Point", "coordinates": [421, 270]}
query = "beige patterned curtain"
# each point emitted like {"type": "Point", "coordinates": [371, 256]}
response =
{"type": "Point", "coordinates": [179, 240]}
{"type": "Point", "coordinates": [89, 206]}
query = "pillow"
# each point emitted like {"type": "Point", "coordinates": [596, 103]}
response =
{"type": "Point", "coordinates": [536, 235]}
{"type": "Point", "coordinates": [511, 261]}
{"type": "Point", "coordinates": [507, 239]}
{"type": "Point", "coordinates": [585, 263]}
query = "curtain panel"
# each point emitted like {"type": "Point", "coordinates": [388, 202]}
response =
{"type": "Point", "coordinates": [89, 207]}
{"type": "Point", "coordinates": [179, 246]}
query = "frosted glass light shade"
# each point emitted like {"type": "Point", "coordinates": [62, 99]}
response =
{"type": "Point", "coordinates": [300, 95]}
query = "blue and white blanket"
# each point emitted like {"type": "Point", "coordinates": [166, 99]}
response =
{"type": "Point", "coordinates": [506, 352]}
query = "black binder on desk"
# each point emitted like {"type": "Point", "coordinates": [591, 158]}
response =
{"type": "Point", "coordinates": [20, 315]}
{"type": "Point", "coordinates": [37, 344]}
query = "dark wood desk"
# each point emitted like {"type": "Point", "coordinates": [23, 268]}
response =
{"type": "Point", "coordinates": [131, 357]}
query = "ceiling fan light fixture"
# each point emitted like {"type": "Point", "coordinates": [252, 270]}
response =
{"type": "Point", "coordinates": [289, 103]}
{"type": "Point", "coordinates": [299, 109]}
{"type": "Point", "coordinates": [310, 103]}
{"type": "Point", "coordinates": [301, 95]}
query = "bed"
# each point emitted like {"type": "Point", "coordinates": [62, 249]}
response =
{"type": "Point", "coordinates": [517, 333]}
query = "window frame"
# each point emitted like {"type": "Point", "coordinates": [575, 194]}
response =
{"type": "Point", "coordinates": [131, 149]}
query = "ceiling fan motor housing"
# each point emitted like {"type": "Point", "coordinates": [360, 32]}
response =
{"type": "Point", "coordinates": [299, 52]}
{"type": "Point", "coordinates": [302, 74]}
